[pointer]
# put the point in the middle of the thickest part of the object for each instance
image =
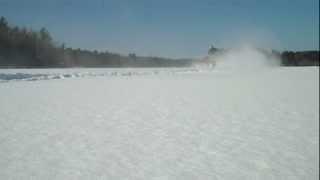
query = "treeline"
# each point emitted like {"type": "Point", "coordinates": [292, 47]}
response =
{"type": "Point", "coordinates": [303, 58]}
{"type": "Point", "coordinates": [22, 47]}
{"type": "Point", "coordinates": [85, 58]}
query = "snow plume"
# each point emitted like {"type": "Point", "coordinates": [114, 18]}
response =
{"type": "Point", "coordinates": [246, 58]}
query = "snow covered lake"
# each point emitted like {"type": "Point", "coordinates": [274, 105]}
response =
{"type": "Point", "coordinates": [159, 124]}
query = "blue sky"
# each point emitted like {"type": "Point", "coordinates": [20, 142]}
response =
{"type": "Point", "coordinates": [171, 28]}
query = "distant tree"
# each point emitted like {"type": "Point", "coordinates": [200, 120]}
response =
{"type": "Point", "coordinates": [45, 35]}
{"type": "Point", "coordinates": [3, 24]}
{"type": "Point", "coordinates": [4, 32]}
{"type": "Point", "coordinates": [132, 56]}
{"type": "Point", "coordinates": [212, 50]}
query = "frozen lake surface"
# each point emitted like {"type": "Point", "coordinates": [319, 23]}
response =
{"type": "Point", "coordinates": [159, 124]}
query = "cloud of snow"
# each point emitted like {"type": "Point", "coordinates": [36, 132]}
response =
{"type": "Point", "coordinates": [245, 58]}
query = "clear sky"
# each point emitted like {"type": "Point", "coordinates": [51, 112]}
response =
{"type": "Point", "coordinates": [171, 28]}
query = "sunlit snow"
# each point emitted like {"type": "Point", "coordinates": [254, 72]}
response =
{"type": "Point", "coordinates": [159, 124]}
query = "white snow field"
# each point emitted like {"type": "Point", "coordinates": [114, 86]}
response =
{"type": "Point", "coordinates": [159, 124]}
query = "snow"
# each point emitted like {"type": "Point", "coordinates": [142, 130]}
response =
{"type": "Point", "coordinates": [159, 124]}
{"type": "Point", "coordinates": [7, 75]}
